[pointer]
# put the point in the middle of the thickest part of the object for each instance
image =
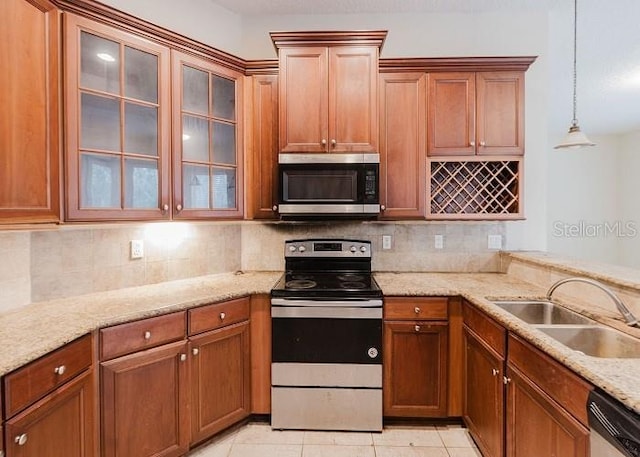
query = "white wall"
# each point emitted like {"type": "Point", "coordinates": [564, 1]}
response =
{"type": "Point", "coordinates": [628, 174]}
{"type": "Point", "coordinates": [201, 20]}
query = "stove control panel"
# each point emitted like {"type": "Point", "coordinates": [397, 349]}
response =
{"type": "Point", "coordinates": [327, 248]}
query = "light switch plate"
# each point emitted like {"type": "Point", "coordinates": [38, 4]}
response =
{"type": "Point", "coordinates": [438, 241]}
{"type": "Point", "coordinates": [495, 242]}
{"type": "Point", "coordinates": [137, 249]}
{"type": "Point", "coordinates": [386, 241]}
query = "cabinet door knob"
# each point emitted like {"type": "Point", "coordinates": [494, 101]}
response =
{"type": "Point", "coordinates": [323, 142]}
{"type": "Point", "coordinates": [222, 316]}
{"type": "Point", "coordinates": [382, 207]}
{"type": "Point", "coordinates": [179, 208]}
{"type": "Point", "coordinates": [183, 357]}
{"type": "Point", "coordinates": [417, 310]}
{"type": "Point", "coordinates": [333, 143]}
{"type": "Point", "coordinates": [472, 143]}
{"type": "Point", "coordinates": [274, 207]}
{"type": "Point", "coordinates": [147, 335]}
{"type": "Point", "coordinates": [165, 208]}
{"type": "Point", "coordinates": [506, 380]}
{"type": "Point", "coordinates": [482, 143]}
{"type": "Point", "coordinates": [417, 327]}
{"type": "Point", "coordinates": [60, 370]}
{"type": "Point", "coordinates": [195, 351]}
{"type": "Point", "coordinates": [21, 440]}
{"type": "Point", "coordinates": [495, 372]}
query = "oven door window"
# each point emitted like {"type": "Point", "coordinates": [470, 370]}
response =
{"type": "Point", "coordinates": [327, 340]}
{"type": "Point", "coordinates": [320, 185]}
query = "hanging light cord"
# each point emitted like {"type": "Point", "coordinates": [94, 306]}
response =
{"type": "Point", "coordinates": [575, 61]}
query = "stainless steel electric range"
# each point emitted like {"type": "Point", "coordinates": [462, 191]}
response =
{"type": "Point", "coordinates": [326, 311]}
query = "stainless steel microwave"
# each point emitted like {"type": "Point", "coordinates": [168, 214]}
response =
{"type": "Point", "coordinates": [316, 185]}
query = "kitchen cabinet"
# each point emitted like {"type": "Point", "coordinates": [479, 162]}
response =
{"type": "Point", "coordinates": [484, 403]}
{"type": "Point", "coordinates": [520, 402]}
{"type": "Point", "coordinates": [220, 367]}
{"type": "Point", "coordinates": [260, 354]}
{"type": "Point", "coordinates": [144, 397]}
{"type": "Point", "coordinates": [117, 124]}
{"type": "Point", "coordinates": [50, 405]}
{"type": "Point", "coordinates": [30, 99]}
{"type": "Point", "coordinates": [415, 357]}
{"type": "Point", "coordinates": [476, 113]}
{"type": "Point", "coordinates": [262, 185]}
{"type": "Point", "coordinates": [402, 145]}
{"type": "Point", "coordinates": [328, 91]}
{"type": "Point", "coordinates": [207, 139]}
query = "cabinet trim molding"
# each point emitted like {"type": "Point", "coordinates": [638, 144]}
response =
{"type": "Point", "coordinates": [333, 38]}
{"type": "Point", "coordinates": [448, 64]}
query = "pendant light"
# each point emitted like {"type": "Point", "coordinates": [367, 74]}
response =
{"type": "Point", "coordinates": [575, 138]}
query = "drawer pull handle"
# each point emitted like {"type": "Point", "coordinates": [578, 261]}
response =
{"type": "Point", "coordinates": [60, 370]}
{"type": "Point", "coordinates": [183, 357]}
{"type": "Point", "coordinates": [195, 351]}
{"type": "Point", "coordinates": [495, 372]}
{"type": "Point", "coordinates": [417, 328]}
{"type": "Point", "coordinates": [417, 310]}
{"type": "Point", "coordinates": [222, 316]}
{"type": "Point", "coordinates": [147, 335]}
{"type": "Point", "coordinates": [506, 380]}
{"type": "Point", "coordinates": [21, 440]}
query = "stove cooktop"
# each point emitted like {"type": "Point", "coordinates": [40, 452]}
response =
{"type": "Point", "coordinates": [343, 285]}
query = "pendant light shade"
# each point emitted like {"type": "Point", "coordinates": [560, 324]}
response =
{"type": "Point", "coordinates": [575, 138]}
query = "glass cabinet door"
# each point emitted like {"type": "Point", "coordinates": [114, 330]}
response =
{"type": "Point", "coordinates": [207, 137]}
{"type": "Point", "coordinates": [117, 124]}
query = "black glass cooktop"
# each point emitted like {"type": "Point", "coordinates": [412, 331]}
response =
{"type": "Point", "coordinates": [343, 285]}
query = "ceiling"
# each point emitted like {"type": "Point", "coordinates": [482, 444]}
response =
{"type": "Point", "coordinates": [608, 48]}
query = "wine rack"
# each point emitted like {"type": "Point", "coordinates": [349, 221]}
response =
{"type": "Point", "coordinates": [475, 189]}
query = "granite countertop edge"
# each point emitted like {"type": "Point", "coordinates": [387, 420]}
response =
{"type": "Point", "coordinates": [37, 329]}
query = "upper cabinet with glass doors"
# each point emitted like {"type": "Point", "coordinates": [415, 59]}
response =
{"type": "Point", "coordinates": [118, 118]}
{"type": "Point", "coordinates": [207, 139]}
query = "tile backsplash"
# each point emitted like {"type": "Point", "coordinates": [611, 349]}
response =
{"type": "Point", "coordinates": [78, 259]}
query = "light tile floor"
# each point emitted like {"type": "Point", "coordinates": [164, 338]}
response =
{"type": "Point", "coordinates": [258, 440]}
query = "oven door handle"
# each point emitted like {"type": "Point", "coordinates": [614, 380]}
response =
{"type": "Point", "coordinates": [338, 312]}
{"type": "Point", "coordinates": [365, 303]}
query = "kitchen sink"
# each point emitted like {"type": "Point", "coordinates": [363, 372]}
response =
{"type": "Point", "coordinates": [543, 312]}
{"type": "Point", "coordinates": [596, 341]}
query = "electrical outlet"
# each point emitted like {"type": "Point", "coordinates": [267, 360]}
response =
{"type": "Point", "coordinates": [495, 242]}
{"type": "Point", "coordinates": [386, 241]}
{"type": "Point", "coordinates": [438, 241]}
{"type": "Point", "coordinates": [137, 249]}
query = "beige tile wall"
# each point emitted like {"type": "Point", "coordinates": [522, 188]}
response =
{"type": "Point", "coordinates": [15, 276]}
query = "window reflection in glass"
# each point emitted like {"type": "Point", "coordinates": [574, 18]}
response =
{"type": "Point", "coordinates": [100, 123]}
{"type": "Point", "coordinates": [195, 187]}
{"type": "Point", "coordinates": [195, 139]}
{"type": "Point", "coordinates": [140, 75]}
{"type": "Point", "coordinates": [224, 188]}
{"type": "Point", "coordinates": [141, 129]}
{"type": "Point", "coordinates": [100, 181]}
{"type": "Point", "coordinates": [99, 64]}
{"type": "Point", "coordinates": [141, 184]}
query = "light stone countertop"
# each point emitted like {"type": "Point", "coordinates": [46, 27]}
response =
{"type": "Point", "coordinates": [32, 331]}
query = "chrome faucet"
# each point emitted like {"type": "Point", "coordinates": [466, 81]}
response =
{"type": "Point", "coordinates": [626, 314]}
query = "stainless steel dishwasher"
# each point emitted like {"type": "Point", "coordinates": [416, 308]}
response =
{"type": "Point", "coordinates": [615, 429]}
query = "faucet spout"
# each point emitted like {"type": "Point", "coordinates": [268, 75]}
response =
{"type": "Point", "coordinates": [629, 318]}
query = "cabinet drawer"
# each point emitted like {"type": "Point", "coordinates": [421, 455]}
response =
{"type": "Point", "coordinates": [218, 315]}
{"type": "Point", "coordinates": [560, 383]}
{"type": "Point", "coordinates": [135, 336]}
{"type": "Point", "coordinates": [489, 330]}
{"type": "Point", "coordinates": [416, 308]}
{"type": "Point", "coordinates": [31, 382]}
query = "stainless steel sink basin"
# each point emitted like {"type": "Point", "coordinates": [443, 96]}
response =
{"type": "Point", "coordinates": [543, 312]}
{"type": "Point", "coordinates": [596, 341]}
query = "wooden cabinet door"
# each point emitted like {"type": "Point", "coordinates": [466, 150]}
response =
{"type": "Point", "coordinates": [220, 380]}
{"type": "Point", "coordinates": [500, 112]}
{"type": "Point", "coordinates": [207, 139]}
{"type": "Point", "coordinates": [145, 403]}
{"type": "Point", "coordinates": [402, 145]}
{"type": "Point", "coordinates": [537, 425]}
{"type": "Point", "coordinates": [353, 99]}
{"type": "Point", "coordinates": [117, 124]}
{"type": "Point", "coordinates": [451, 123]}
{"type": "Point", "coordinates": [484, 394]}
{"type": "Point", "coordinates": [29, 125]}
{"type": "Point", "coordinates": [415, 369]}
{"type": "Point", "coordinates": [262, 186]}
{"type": "Point", "coordinates": [62, 424]}
{"type": "Point", "coordinates": [304, 99]}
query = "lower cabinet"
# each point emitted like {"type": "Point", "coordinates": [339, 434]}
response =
{"type": "Point", "coordinates": [145, 403]}
{"type": "Point", "coordinates": [520, 402]}
{"type": "Point", "coordinates": [415, 357]}
{"type": "Point", "coordinates": [60, 425]}
{"type": "Point", "coordinates": [220, 380]}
